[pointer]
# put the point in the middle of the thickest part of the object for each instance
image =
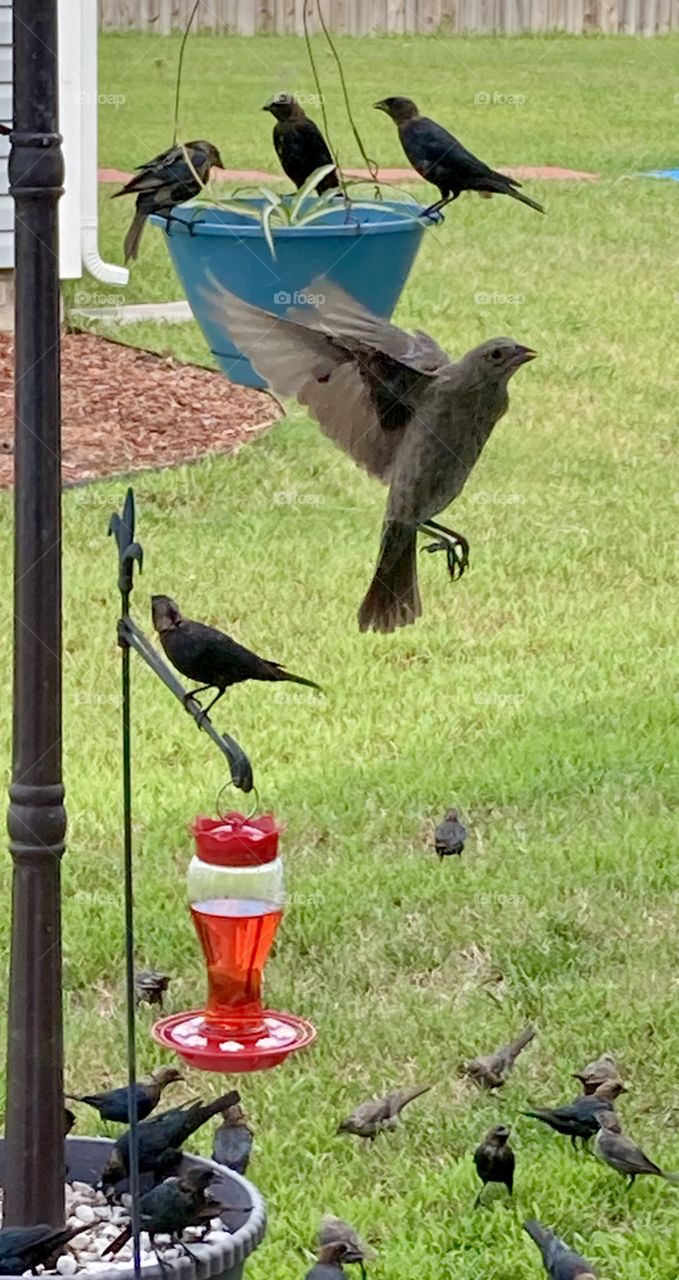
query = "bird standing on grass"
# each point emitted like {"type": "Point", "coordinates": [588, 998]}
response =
{"type": "Point", "coordinates": [150, 986]}
{"type": "Point", "coordinates": [232, 1142]}
{"type": "Point", "coordinates": [450, 836]}
{"type": "Point", "coordinates": [494, 1159]}
{"type": "Point", "coordinates": [397, 404]}
{"type": "Point", "coordinates": [622, 1154]}
{"type": "Point", "coordinates": [300, 145]}
{"type": "Point", "coordinates": [174, 1205]}
{"type": "Point", "coordinates": [437, 156]}
{"type": "Point", "coordinates": [370, 1118]}
{"type": "Point", "coordinates": [338, 1243]}
{"type": "Point", "coordinates": [160, 1140]}
{"type": "Point", "coordinates": [114, 1104]}
{"type": "Point", "coordinates": [25, 1248]}
{"type": "Point", "coordinates": [580, 1118]}
{"type": "Point", "coordinates": [491, 1071]}
{"type": "Point", "coordinates": [202, 653]}
{"type": "Point", "coordinates": [560, 1262]}
{"type": "Point", "coordinates": [167, 180]}
{"type": "Point", "coordinates": [598, 1072]}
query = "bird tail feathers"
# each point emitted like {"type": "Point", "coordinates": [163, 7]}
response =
{"type": "Point", "coordinates": [133, 237]}
{"type": "Point", "coordinates": [393, 597]}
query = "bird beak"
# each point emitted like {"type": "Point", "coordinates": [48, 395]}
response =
{"type": "Point", "coordinates": [524, 354]}
{"type": "Point", "coordinates": [219, 161]}
{"type": "Point", "coordinates": [267, 106]}
{"type": "Point", "coordinates": [380, 106]}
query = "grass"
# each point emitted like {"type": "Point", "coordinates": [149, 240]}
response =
{"type": "Point", "coordinates": [538, 694]}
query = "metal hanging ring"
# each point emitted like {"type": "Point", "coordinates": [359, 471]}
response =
{"type": "Point", "coordinates": [255, 800]}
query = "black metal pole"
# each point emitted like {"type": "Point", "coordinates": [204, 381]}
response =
{"type": "Point", "coordinates": [34, 1187]}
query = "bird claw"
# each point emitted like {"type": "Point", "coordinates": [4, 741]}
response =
{"type": "Point", "coordinates": [457, 554]}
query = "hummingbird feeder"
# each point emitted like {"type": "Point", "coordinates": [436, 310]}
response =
{"type": "Point", "coordinates": [236, 896]}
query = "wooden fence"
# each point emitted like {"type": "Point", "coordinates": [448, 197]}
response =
{"type": "Point", "coordinates": [397, 17]}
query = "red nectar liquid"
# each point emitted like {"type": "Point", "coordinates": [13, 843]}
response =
{"type": "Point", "coordinates": [236, 936]}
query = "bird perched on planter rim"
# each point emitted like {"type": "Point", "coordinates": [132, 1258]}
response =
{"type": "Point", "coordinates": [397, 404]}
{"type": "Point", "coordinates": [169, 179]}
{"type": "Point", "coordinates": [494, 1159]}
{"type": "Point", "coordinates": [300, 145]}
{"type": "Point", "coordinates": [370, 1118]}
{"type": "Point", "coordinates": [491, 1070]}
{"type": "Point", "coordinates": [160, 1139]}
{"type": "Point", "coordinates": [114, 1104]}
{"type": "Point", "coordinates": [210, 656]}
{"type": "Point", "coordinates": [437, 156]}
{"type": "Point", "coordinates": [560, 1262]}
{"type": "Point", "coordinates": [174, 1205]}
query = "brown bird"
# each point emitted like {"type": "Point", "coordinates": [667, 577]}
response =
{"type": "Point", "coordinates": [165, 181]}
{"type": "Point", "coordinates": [397, 404]}
{"type": "Point", "coordinates": [597, 1072]}
{"type": "Point", "coordinates": [494, 1159]}
{"type": "Point", "coordinates": [338, 1243]}
{"type": "Point", "coordinates": [616, 1149]}
{"type": "Point", "coordinates": [300, 145]}
{"type": "Point", "coordinates": [491, 1071]}
{"type": "Point", "coordinates": [370, 1118]}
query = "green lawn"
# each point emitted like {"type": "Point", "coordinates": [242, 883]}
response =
{"type": "Point", "coordinates": [538, 694]}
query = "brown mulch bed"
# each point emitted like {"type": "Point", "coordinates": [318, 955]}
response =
{"type": "Point", "coordinates": [127, 410]}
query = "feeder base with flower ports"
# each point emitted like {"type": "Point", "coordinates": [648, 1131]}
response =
{"type": "Point", "coordinates": [206, 1045]}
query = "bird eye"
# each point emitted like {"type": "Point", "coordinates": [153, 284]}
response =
{"type": "Point", "coordinates": [496, 353]}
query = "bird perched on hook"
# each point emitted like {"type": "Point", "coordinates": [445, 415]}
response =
{"type": "Point", "coordinates": [618, 1151]}
{"type": "Point", "coordinates": [491, 1070]}
{"type": "Point", "coordinates": [494, 1159]}
{"type": "Point", "coordinates": [338, 1244]}
{"type": "Point", "coordinates": [437, 156]}
{"type": "Point", "coordinates": [370, 1118]}
{"type": "Point", "coordinates": [450, 836]}
{"type": "Point", "coordinates": [169, 179]}
{"type": "Point", "coordinates": [397, 404]}
{"type": "Point", "coordinates": [560, 1262]}
{"type": "Point", "coordinates": [232, 1142]}
{"type": "Point", "coordinates": [580, 1118]}
{"type": "Point", "coordinates": [160, 1139]}
{"type": "Point", "coordinates": [300, 145]}
{"type": "Point", "coordinates": [25, 1248]}
{"type": "Point", "coordinates": [114, 1104]}
{"type": "Point", "coordinates": [209, 656]}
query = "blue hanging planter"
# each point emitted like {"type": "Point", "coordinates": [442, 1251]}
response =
{"type": "Point", "coordinates": [368, 251]}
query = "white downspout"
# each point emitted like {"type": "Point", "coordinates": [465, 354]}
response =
{"type": "Point", "coordinates": [89, 218]}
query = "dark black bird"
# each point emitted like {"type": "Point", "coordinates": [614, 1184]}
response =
{"type": "Point", "coordinates": [450, 836]}
{"type": "Point", "coordinates": [162, 1138]}
{"type": "Point", "coordinates": [25, 1248]}
{"type": "Point", "coordinates": [338, 1244]}
{"type": "Point", "coordinates": [437, 156]}
{"type": "Point", "coordinates": [172, 1206]}
{"type": "Point", "coordinates": [114, 1104]}
{"type": "Point", "coordinates": [150, 986]}
{"type": "Point", "coordinates": [560, 1262]}
{"type": "Point", "coordinates": [491, 1070]}
{"type": "Point", "coordinates": [579, 1119]}
{"type": "Point", "coordinates": [495, 1160]}
{"type": "Point", "coordinates": [232, 1142]}
{"type": "Point", "coordinates": [166, 181]}
{"type": "Point", "coordinates": [210, 656]}
{"type": "Point", "coordinates": [397, 404]}
{"type": "Point", "coordinates": [300, 145]}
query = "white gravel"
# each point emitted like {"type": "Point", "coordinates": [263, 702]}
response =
{"type": "Point", "coordinates": [101, 1223]}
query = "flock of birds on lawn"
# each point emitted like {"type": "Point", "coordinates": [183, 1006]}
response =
{"type": "Point", "coordinates": [173, 1200]}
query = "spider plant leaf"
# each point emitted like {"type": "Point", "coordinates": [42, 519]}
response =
{"type": "Point", "coordinates": [307, 187]}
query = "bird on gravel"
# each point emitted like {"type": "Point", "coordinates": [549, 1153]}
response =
{"type": "Point", "coordinates": [174, 1205]}
{"type": "Point", "coordinates": [232, 1142]}
{"type": "Point", "coordinates": [491, 1071]}
{"type": "Point", "coordinates": [370, 1118]}
{"type": "Point", "coordinates": [202, 653]}
{"type": "Point", "coordinates": [580, 1118]}
{"type": "Point", "coordinates": [300, 145]}
{"type": "Point", "coordinates": [160, 1139]}
{"type": "Point", "coordinates": [114, 1104]}
{"type": "Point", "coordinates": [437, 156]}
{"type": "Point", "coordinates": [494, 1159]}
{"type": "Point", "coordinates": [450, 836]}
{"type": "Point", "coordinates": [616, 1149]}
{"type": "Point", "coordinates": [397, 404]}
{"type": "Point", "coordinates": [167, 180]}
{"type": "Point", "coordinates": [560, 1262]}
{"type": "Point", "coordinates": [338, 1244]}
{"type": "Point", "coordinates": [25, 1248]}
{"type": "Point", "coordinates": [597, 1072]}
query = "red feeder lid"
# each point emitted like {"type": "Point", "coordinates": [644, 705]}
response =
{"type": "Point", "coordinates": [237, 841]}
